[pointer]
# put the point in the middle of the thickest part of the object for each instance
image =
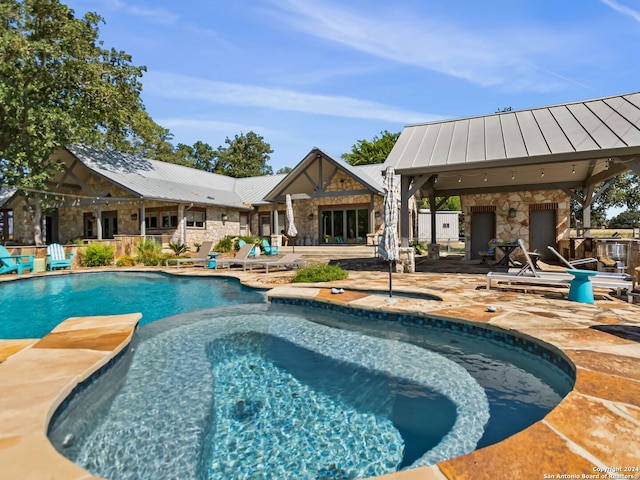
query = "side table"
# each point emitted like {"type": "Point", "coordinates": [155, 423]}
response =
{"type": "Point", "coordinates": [581, 289]}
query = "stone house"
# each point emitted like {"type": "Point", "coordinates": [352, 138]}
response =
{"type": "Point", "coordinates": [106, 195]}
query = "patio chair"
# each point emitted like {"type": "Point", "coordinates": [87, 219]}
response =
{"type": "Point", "coordinates": [14, 263]}
{"type": "Point", "coordinates": [57, 258]}
{"type": "Point", "coordinates": [291, 260]}
{"type": "Point", "coordinates": [240, 258]}
{"type": "Point", "coordinates": [268, 249]}
{"type": "Point", "coordinates": [571, 263]}
{"type": "Point", "coordinates": [202, 257]}
{"type": "Point", "coordinates": [242, 243]}
{"type": "Point", "coordinates": [529, 274]}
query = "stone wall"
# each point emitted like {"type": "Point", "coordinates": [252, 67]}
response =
{"type": "Point", "coordinates": [509, 228]}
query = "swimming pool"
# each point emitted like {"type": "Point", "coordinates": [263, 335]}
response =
{"type": "Point", "coordinates": [384, 383]}
{"type": "Point", "coordinates": [32, 307]}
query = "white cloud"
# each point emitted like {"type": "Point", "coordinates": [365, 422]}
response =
{"type": "Point", "coordinates": [188, 88]}
{"type": "Point", "coordinates": [206, 125]}
{"type": "Point", "coordinates": [484, 57]}
{"type": "Point", "coordinates": [155, 15]}
{"type": "Point", "coordinates": [618, 7]}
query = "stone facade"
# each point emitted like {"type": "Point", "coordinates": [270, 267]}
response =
{"type": "Point", "coordinates": [307, 212]}
{"type": "Point", "coordinates": [509, 227]}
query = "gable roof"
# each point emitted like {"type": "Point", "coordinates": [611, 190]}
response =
{"type": "Point", "coordinates": [315, 172]}
{"type": "Point", "coordinates": [156, 180]}
{"type": "Point", "coordinates": [576, 142]}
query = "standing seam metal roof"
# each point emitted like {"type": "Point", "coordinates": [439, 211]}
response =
{"type": "Point", "coordinates": [589, 128]}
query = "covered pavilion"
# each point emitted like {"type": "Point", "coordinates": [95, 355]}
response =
{"type": "Point", "coordinates": [577, 148]}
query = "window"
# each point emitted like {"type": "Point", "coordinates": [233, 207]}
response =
{"type": "Point", "coordinates": [195, 218]}
{"type": "Point", "coordinates": [169, 219]}
{"type": "Point", "coordinates": [151, 220]}
{"type": "Point", "coordinates": [161, 218]}
{"type": "Point", "coordinates": [445, 225]}
{"type": "Point", "coordinates": [6, 225]}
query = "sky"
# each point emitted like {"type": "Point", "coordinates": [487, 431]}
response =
{"type": "Point", "coordinates": [326, 74]}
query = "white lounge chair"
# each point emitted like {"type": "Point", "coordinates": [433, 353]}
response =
{"type": "Point", "coordinates": [571, 263]}
{"type": "Point", "coordinates": [290, 260]}
{"type": "Point", "coordinates": [240, 258]}
{"type": "Point", "coordinates": [202, 257]}
{"type": "Point", "coordinates": [528, 274]}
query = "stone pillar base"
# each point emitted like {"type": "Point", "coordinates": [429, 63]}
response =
{"type": "Point", "coordinates": [407, 261]}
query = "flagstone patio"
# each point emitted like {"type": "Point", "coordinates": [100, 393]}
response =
{"type": "Point", "coordinates": [595, 428]}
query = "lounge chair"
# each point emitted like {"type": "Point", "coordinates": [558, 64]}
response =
{"type": "Point", "coordinates": [14, 263]}
{"type": "Point", "coordinates": [241, 258]}
{"type": "Point", "coordinates": [268, 249]}
{"type": "Point", "coordinates": [242, 243]}
{"type": "Point", "coordinates": [290, 260]}
{"type": "Point", "coordinates": [57, 258]}
{"type": "Point", "coordinates": [571, 263]}
{"type": "Point", "coordinates": [529, 274]}
{"type": "Point", "coordinates": [202, 257]}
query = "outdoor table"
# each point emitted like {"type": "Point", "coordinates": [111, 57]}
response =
{"type": "Point", "coordinates": [507, 249]}
{"type": "Point", "coordinates": [581, 289]}
{"type": "Point", "coordinates": [212, 259]}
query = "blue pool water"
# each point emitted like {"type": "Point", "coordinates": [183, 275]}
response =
{"type": "Point", "coordinates": [32, 307]}
{"type": "Point", "coordinates": [257, 391]}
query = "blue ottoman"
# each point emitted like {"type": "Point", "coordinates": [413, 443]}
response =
{"type": "Point", "coordinates": [581, 289]}
{"type": "Point", "coordinates": [212, 260]}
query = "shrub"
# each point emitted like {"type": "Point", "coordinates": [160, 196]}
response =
{"type": "Point", "coordinates": [149, 252]}
{"type": "Point", "coordinates": [420, 248]}
{"type": "Point", "coordinates": [225, 245]}
{"type": "Point", "coordinates": [126, 261]}
{"type": "Point", "coordinates": [248, 239]}
{"type": "Point", "coordinates": [179, 248]}
{"type": "Point", "coordinates": [320, 273]}
{"type": "Point", "coordinates": [97, 255]}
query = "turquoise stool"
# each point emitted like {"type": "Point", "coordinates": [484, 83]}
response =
{"type": "Point", "coordinates": [212, 259]}
{"type": "Point", "coordinates": [581, 289]}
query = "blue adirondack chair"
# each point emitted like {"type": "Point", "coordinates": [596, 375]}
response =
{"type": "Point", "coordinates": [268, 249]}
{"type": "Point", "coordinates": [57, 258]}
{"type": "Point", "coordinates": [242, 243]}
{"type": "Point", "coordinates": [14, 263]}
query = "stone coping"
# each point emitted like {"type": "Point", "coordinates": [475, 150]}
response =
{"type": "Point", "coordinates": [595, 427]}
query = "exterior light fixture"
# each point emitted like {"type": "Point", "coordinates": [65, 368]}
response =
{"type": "Point", "coordinates": [512, 213]}
{"type": "Point", "coordinates": [541, 173]}
{"type": "Point", "coordinates": [485, 177]}
{"type": "Point", "coordinates": [573, 169]}
{"type": "Point", "coordinates": [513, 175]}
{"type": "Point", "coordinates": [224, 218]}
{"type": "Point", "coordinates": [134, 216]}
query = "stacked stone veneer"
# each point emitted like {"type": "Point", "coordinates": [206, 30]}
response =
{"type": "Point", "coordinates": [306, 212]}
{"type": "Point", "coordinates": [509, 229]}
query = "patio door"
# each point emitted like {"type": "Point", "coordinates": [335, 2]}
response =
{"type": "Point", "coordinates": [483, 229]}
{"type": "Point", "coordinates": [543, 221]}
{"type": "Point", "coordinates": [345, 225]}
{"type": "Point", "coordinates": [109, 224]}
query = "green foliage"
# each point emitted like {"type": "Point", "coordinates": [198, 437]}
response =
{"type": "Point", "coordinates": [149, 252]}
{"type": "Point", "coordinates": [197, 245]}
{"type": "Point", "coordinates": [179, 248]}
{"type": "Point", "coordinates": [225, 245]}
{"type": "Point", "coordinates": [625, 220]}
{"type": "Point", "coordinates": [420, 248]}
{"type": "Point", "coordinates": [624, 191]}
{"type": "Point", "coordinates": [320, 273]}
{"type": "Point", "coordinates": [201, 156]}
{"type": "Point", "coordinates": [59, 86]}
{"type": "Point", "coordinates": [284, 170]}
{"type": "Point", "coordinates": [365, 152]}
{"type": "Point", "coordinates": [97, 255]}
{"type": "Point", "coordinates": [451, 204]}
{"type": "Point", "coordinates": [245, 156]}
{"type": "Point", "coordinates": [247, 239]}
{"type": "Point", "coordinates": [127, 261]}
